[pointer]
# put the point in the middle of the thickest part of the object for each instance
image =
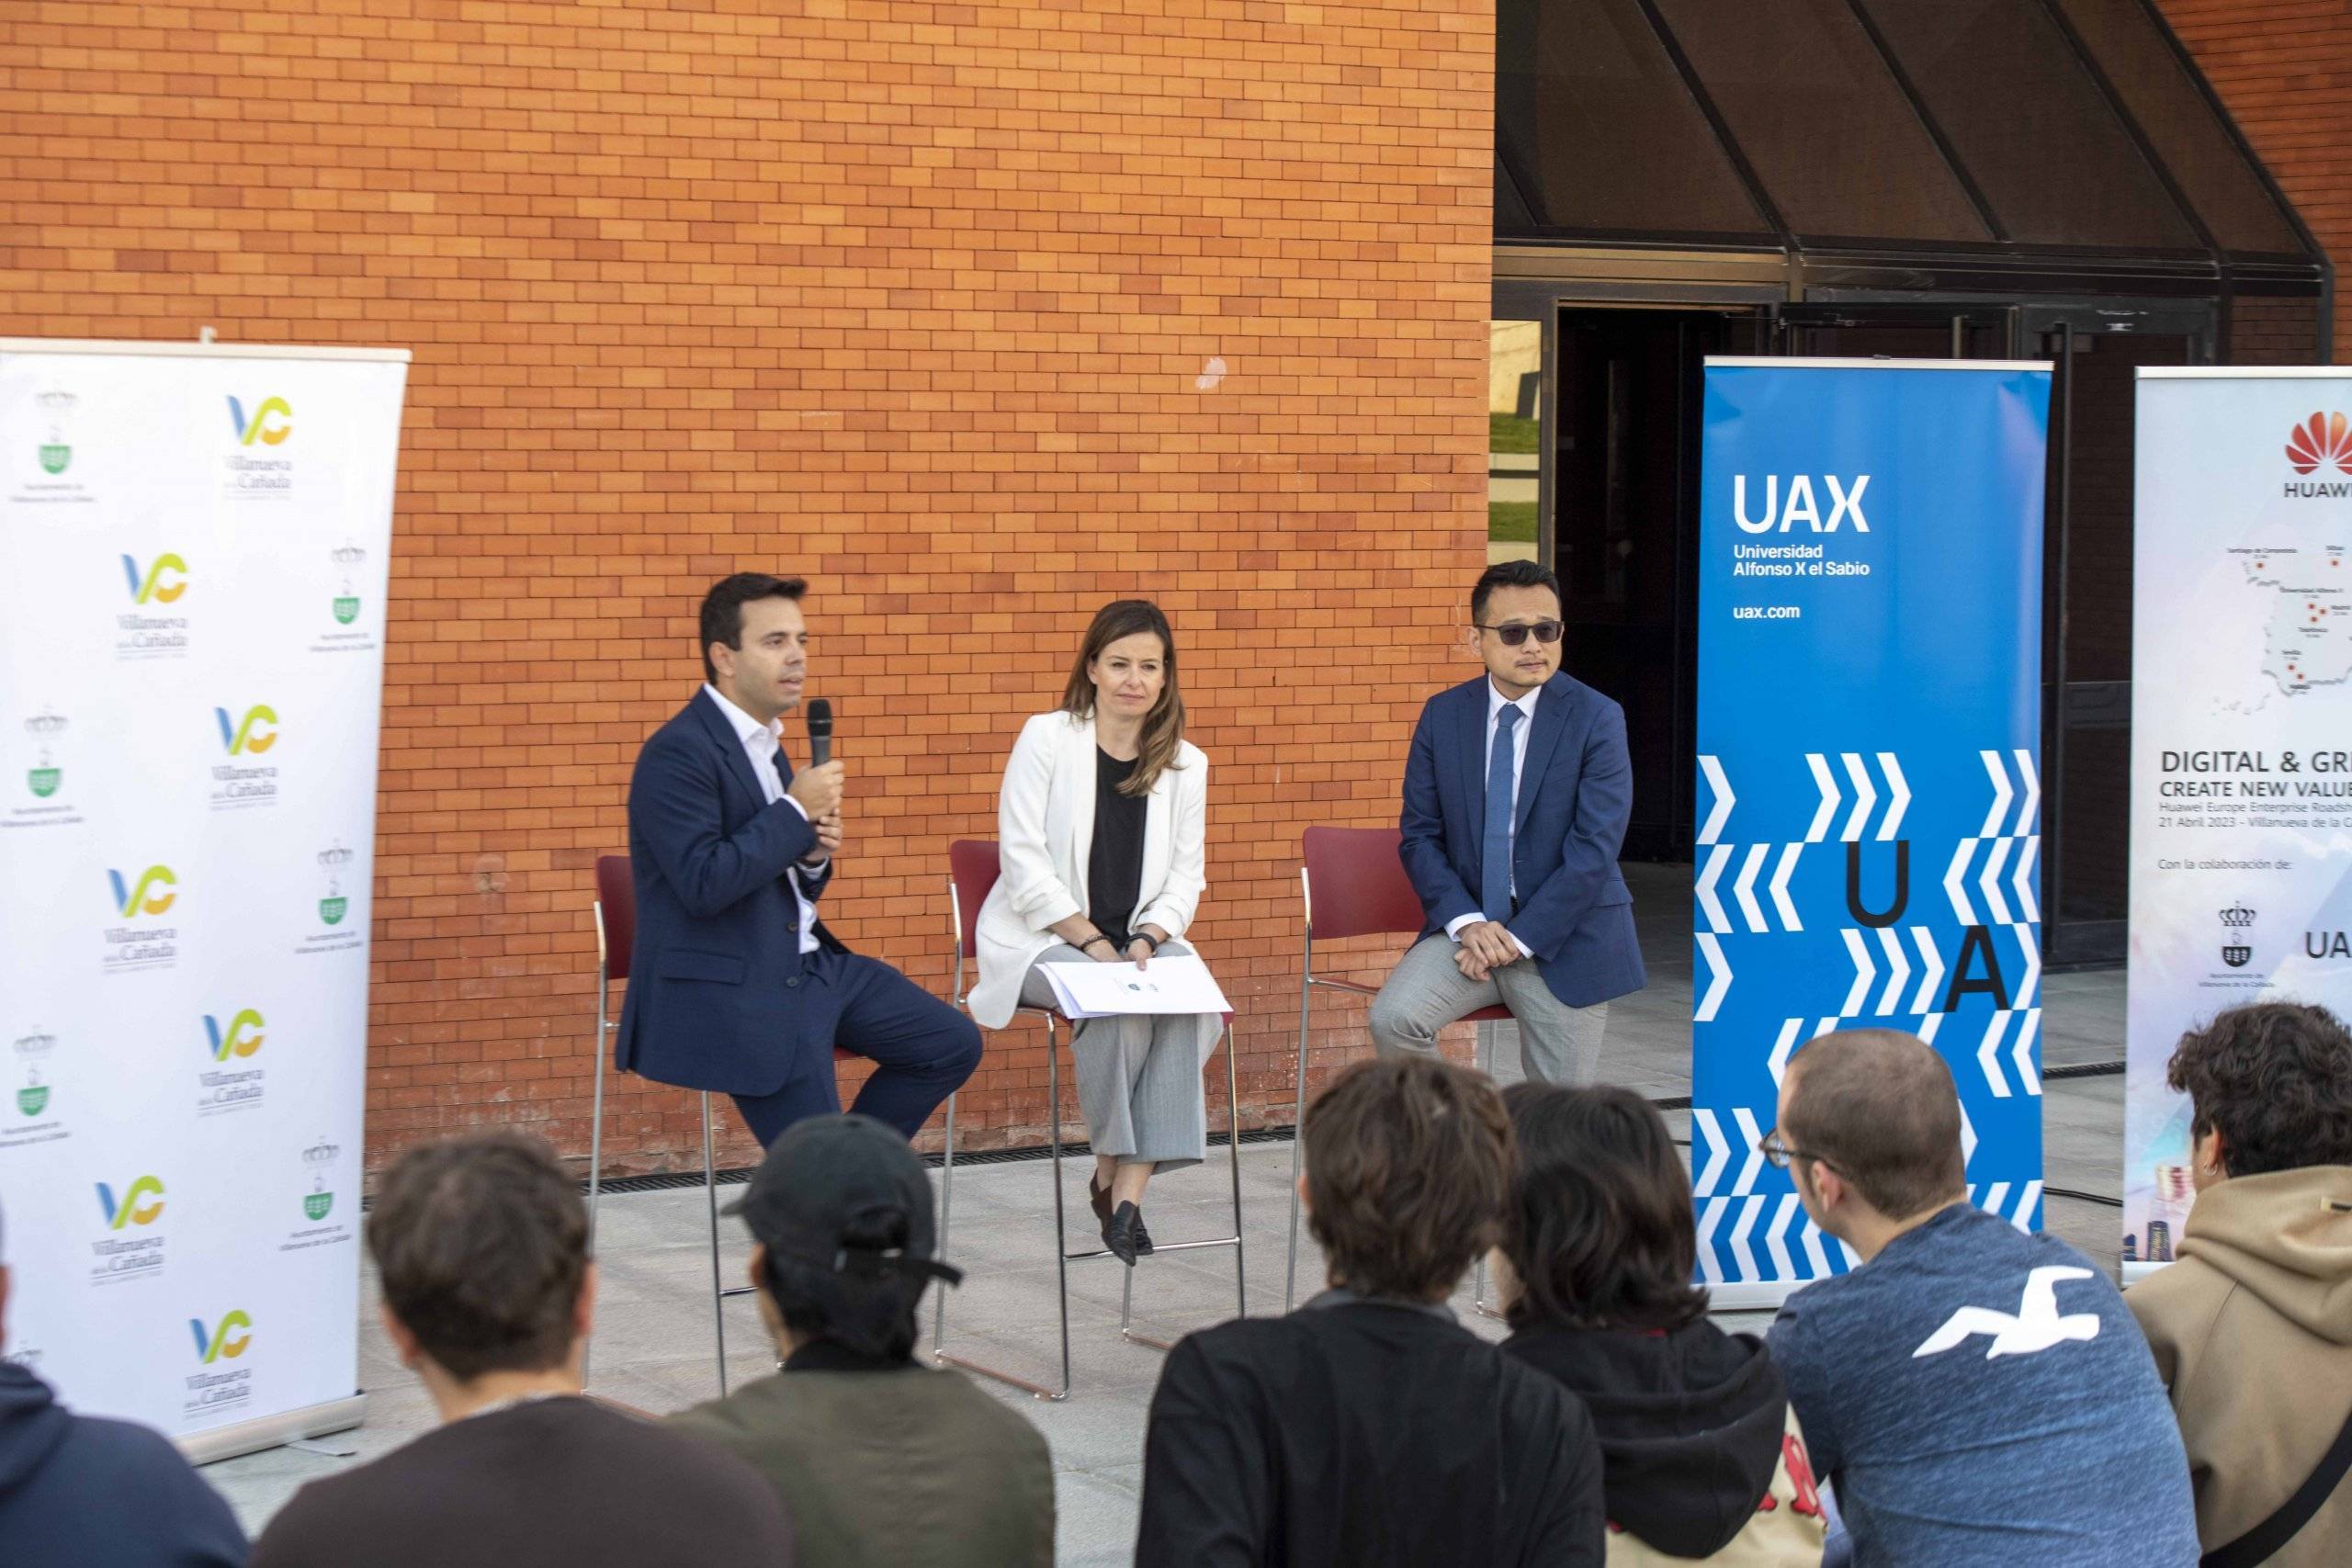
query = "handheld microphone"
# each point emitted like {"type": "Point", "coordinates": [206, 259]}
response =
{"type": "Point", "coordinates": [820, 732]}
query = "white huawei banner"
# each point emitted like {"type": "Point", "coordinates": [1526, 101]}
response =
{"type": "Point", "coordinates": [2241, 734]}
{"type": "Point", "coordinates": [193, 553]}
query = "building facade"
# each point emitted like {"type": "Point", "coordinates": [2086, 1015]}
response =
{"type": "Point", "coordinates": [979, 315]}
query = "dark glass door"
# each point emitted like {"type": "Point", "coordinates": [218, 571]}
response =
{"type": "Point", "coordinates": [1624, 531]}
{"type": "Point", "coordinates": [2086, 619]}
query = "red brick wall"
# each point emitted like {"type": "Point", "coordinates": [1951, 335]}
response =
{"type": "Point", "coordinates": [2284, 70]}
{"type": "Point", "coordinates": [917, 300]}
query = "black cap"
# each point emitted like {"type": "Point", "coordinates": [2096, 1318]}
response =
{"type": "Point", "coordinates": [830, 1185]}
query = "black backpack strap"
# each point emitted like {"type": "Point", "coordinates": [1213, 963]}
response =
{"type": "Point", "coordinates": [2264, 1540]}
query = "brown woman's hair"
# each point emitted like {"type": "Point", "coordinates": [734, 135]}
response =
{"type": "Point", "coordinates": [1601, 1233]}
{"type": "Point", "coordinates": [1163, 726]}
{"type": "Point", "coordinates": [1408, 1169]}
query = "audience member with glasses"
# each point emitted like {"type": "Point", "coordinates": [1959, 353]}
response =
{"type": "Point", "coordinates": [1517, 792]}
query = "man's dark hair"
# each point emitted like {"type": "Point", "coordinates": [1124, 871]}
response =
{"type": "Point", "coordinates": [1407, 1171]}
{"type": "Point", "coordinates": [871, 1311]}
{"type": "Point", "coordinates": [1879, 1108]}
{"type": "Point", "coordinates": [482, 1243]}
{"type": "Point", "coordinates": [722, 609]}
{"type": "Point", "coordinates": [1600, 1233]}
{"type": "Point", "coordinates": [2274, 1079]}
{"type": "Point", "coordinates": [1511, 574]}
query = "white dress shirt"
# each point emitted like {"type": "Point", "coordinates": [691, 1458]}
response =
{"type": "Point", "coordinates": [1496, 702]}
{"type": "Point", "coordinates": [760, 742]}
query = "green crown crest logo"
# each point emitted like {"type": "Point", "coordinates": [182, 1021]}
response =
{"type": "Point", "coordinates": [33, 1098]}
{"type": "Point", "coordinates": [318, 1202]}
{"type": "Point", "coordinates": [55, 454]}
{"type": "Point", "coordinates": [334, 906]}
{"type": "Point", "coordinates": [44, 776]}
{"type": "Point", "coordinates": [347, 604]}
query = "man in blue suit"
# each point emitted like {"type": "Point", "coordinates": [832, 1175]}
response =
{"type": "Point", "coordinates": [735, 985]}
{"type": "Point", "coordinates": [1517, 791]}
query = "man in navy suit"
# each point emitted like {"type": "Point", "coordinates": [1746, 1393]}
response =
{"type": "Point", "coordinates": [734, 984]}
{"type": "Point", "coordinates": [1517, 791]}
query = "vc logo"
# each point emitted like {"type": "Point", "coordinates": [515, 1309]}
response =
{"type": "Point", "coordinates": [164, 579]}
{"type": "Point", "coordinates": [150, 896]}
{"type": "Point", "coordinates": [133, 1209]}
{"type": "Point", "coordinates": [259, 426]}
{"type": "Point", "coordinates": [254, 733]}
{"type": "Point", "coordinates": [243, 1037]}
{"type": "Point", "coordinates": [230, 1340]}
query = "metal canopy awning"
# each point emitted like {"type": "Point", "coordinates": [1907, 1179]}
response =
{"type": "Point", "coordinates": [2012, 146]}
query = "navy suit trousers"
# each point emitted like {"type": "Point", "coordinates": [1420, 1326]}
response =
{"type": "Point", "coordinates": [921, 1048]}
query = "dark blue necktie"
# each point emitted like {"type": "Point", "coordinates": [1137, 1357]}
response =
{"type": "Point", "coordinates": [1494, 860]}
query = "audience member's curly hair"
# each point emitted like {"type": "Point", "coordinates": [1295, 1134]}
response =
{"type": "Point", "coordinates": [2275, 1080]}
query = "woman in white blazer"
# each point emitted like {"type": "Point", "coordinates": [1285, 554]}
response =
{"type": "Point", "coordinates": [1101, 827]}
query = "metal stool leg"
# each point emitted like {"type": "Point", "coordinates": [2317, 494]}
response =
{"type": "Point", "coordinates": [1233, 1145]}
{"type": "Point", "coordinates": [939, 1292]}
{"type": "Point", "coordinates": [718, 1292]}
{"type": "Point", "coordinates": [1061, 1250]}
{"type": "Point", "coordinates": [1298, 1116]}
{"type": "Point", "coordinates": [1478, 1273]}
{"type": "Point", "coordinates": [1061, 1229]}
{"type": "Point", "coordinates": [596, 1141]}
{"type": "Point", "coordinates": [1240, 1280]}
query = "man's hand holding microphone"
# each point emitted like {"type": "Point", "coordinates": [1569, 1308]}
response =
{"type": "Point", "coordinates": [818, 788]}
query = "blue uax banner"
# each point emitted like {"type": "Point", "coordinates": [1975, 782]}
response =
{"type": "Point", "coordinates": [1870, 720]}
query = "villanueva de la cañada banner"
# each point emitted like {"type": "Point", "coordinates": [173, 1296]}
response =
{"type": "Point", "coordinates": [194, 542]}
{"type": "Point", "coordinates": [2241, 735]}
{"type": "Point", "coordinates": [1870, 672]}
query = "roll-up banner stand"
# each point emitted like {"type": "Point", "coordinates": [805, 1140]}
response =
{"type": "Point", "coordinates": [2241, 734]}
{"type": "Point", "coordinates": [193, 548]}
{"type": "Point", "coordinates": [1869, 675]}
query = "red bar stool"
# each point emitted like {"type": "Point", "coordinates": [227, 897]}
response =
{"type": "Point", "coordinates": [972, 870]}
{"type": "Point", "coordinates": [615, 914]}
{"type": "Point", "coordinates": [1365, 891]}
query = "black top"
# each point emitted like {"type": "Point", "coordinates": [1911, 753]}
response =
{"type": "Point", "coordinates": [1115, 863]}
{"type": "Point", "coordinates": [1691, 1425]}
{"type": "Point", "coordinates": [561, 1480]}
{"type": "Point", "coordinates": [1364, 1434]}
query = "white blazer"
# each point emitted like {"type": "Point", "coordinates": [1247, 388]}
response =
{"type": "Point", "coordinates": [1045, 826]}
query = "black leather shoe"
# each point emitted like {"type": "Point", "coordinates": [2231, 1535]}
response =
{"type": "Point", "coordinates": [1119, 1236]}
{"type": "Point", "coordinates": [1143, 1237]}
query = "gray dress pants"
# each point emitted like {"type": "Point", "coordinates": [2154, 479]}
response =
{"type": "Point", "coordinates": [1139, 1075]}
{"type": "Point", "coordinates": [1425, 991]}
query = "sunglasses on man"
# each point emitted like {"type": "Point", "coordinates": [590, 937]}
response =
{"type": "Point", "coordinates": [1513, 633]}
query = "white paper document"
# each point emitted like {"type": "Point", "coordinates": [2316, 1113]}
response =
{"type": "Point", "coordinates": [1166, 984]}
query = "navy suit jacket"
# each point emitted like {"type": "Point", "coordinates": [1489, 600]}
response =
{"type": "Point", "coordinates": [717, 967]}
{"type": "Point", "coordinates": [1576, 792]}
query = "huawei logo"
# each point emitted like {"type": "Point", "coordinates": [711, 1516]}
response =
{"type": "Point", "coordinates": [2323, 439]}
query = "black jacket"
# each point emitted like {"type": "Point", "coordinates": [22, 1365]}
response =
{"type": "Point", "coordinates": [76, 1491]}
{"type": "Point", "coordinates": [1362, 1434]}
{"type": "Point", "coordinates": [1691, 1425]}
